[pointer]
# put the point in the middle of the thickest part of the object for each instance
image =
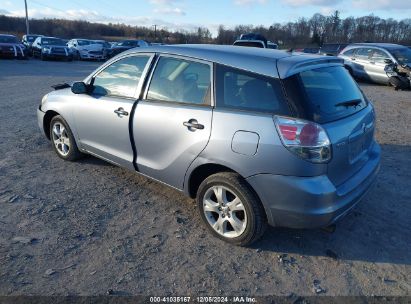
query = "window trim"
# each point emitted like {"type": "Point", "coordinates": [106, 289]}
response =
{"type": "Point", "coordinates": [90, 80]}
{"type": "Point", "coordinates": [210, 103]}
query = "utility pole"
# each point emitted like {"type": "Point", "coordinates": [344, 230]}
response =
{"type": "Point", "coordinates": [155, 32]}
{"type": "Point", "coordinates": [27, 18]}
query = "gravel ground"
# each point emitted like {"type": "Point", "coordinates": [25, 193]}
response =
{"type": "Point", "coordinates": [88, 227]}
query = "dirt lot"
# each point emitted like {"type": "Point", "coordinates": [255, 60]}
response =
{"type": "Point", "coordinates": [87, 227]}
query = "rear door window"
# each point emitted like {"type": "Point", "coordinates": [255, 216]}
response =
{"type": "Point", "coordinates": [349, 53]}
{"type": "Point", "coordinates": [325, 94]}
{"type": "Point", "coordinates": [364, 53]}
{"type": "Point", "coordinates": [238, 89]}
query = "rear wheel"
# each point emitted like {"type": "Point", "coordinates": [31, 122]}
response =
{"type": "Point", "coordinates": [230, 209]}
{"type": "Point", "coordinates": [63, 140]}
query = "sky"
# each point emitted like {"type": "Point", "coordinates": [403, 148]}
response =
{"type": "Point", "coordinates": [190, 14]}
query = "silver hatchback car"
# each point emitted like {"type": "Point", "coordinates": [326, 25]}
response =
{"type": "Point", "coordinates": [256, 136]}
{"type": "Point", "coordinates": [368, 60]}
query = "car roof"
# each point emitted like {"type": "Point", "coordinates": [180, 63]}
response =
{"type": "Point", "coordinates": [258, 60]}
{"type": "Point", "coordinates": [49, 37]}
{"type": "Point", "coordinates": [386, 46]}
{"type": "Point", "coordinates": [7, 35]}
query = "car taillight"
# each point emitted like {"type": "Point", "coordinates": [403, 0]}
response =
{"type": "Point", "coordinates": [304, 138]}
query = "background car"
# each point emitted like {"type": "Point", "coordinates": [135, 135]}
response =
{"type": "Point", "coordinates": [125, 45]}
{"type": "Point", "coordinates": [106, 47]}
{"type": "Point", "coordinates": [332, 49]}
{"type": "Point", "coordinates": [250, 43]}
{"type": "Point", "coordinates": [87, 49]}
{"type": "Point", "coordinates": [11, 47]}
{"type": "Point", "coordinates": [368, 60]}
{"type": "Point", "coordinates": [51, 48]}
{"type": "Point", "coordinates": [255, 40]}
{"type": "Point", "coordinates": [28, 40]}
{"type": "Point", "coordinates": [311, 50]}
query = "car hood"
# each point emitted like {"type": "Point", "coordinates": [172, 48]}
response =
{"type": "Point", "coordinates": [11, 45]}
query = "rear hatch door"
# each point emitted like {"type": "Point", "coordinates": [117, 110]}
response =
{"type": "Point", "coordinates": [329, 96]}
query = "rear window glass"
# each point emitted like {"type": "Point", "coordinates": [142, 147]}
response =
{"type": "Point", "coordinates": [330, 47]}
{"type": "Point", "coordinates": [325, 94]}
{"type": "Point", "coordinates": [403, 55]}
{"type": "Point", "coordinates": [243, 90]}
{"type": "Point", "coordinates": [257, 44]}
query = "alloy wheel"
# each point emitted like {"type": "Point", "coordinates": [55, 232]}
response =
{"type": "Point", "coordinates": [224, 211]}
{"type": "Point", "coordinates": [61, 139]}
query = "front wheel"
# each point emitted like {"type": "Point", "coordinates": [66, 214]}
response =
{"type": "Point", "coordinates": [230, 209]}
{"type": "Point", "coordinates": [63, 140]}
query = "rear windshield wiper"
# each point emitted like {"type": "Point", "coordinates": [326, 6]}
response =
{"type": "Point", "coordinates": [351, 103]}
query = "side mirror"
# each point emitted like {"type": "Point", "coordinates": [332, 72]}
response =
{"type": "Point", "coordinates": [79, 87]}
{"type": "Point", "coordinates": [388, 61]}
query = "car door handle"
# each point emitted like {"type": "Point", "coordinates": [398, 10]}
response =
{"type": "Point", "coordinates": [193, 124]}
{"type": "Point", "coordinates": [353, 59]}
{"type": "Point", "coordinates": [121, 112]}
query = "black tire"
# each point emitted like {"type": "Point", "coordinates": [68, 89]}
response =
{"type": "Point", "coordinates": [256, 223]}
{"type": "Point", "coordinates": [398, 83]}
{"type": "Point", "coordinates": [73, 151]}
{"type": "Point", "coordinates": [350, 71]}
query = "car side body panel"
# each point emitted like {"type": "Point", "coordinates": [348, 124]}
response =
{"type": "Point", "coordinates": [271, 156]}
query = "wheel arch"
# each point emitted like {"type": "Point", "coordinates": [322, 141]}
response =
{"type": "Point", "coordinates": [201, 172]}
{"type": "Point", "coordinates": [46, 121]}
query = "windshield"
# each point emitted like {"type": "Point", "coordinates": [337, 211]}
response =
{"type": "Point", "coordinates": [103, 43]}
{"type": "Point", "coordinates": [52, 41]}
{"type": "Point", "coordinates": [325, 94]}
{"type": "Point", "coordinates": [403, 55]}
{"type": "Point", "coordinates": [8, 39]}
{"type": "Point", "coordinates": [83, 42]}
{"type": "Point", "coordinates": [31, 38]}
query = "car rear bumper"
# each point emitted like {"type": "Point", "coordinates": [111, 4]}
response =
{"type": "Point", "coordinates": [311, 202]}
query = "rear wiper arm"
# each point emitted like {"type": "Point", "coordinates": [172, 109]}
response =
{"type": "Point", "coordinates": [351, 103]}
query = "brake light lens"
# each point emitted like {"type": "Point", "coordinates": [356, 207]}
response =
{"type": "Point", "coordinates": [306, 139]}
